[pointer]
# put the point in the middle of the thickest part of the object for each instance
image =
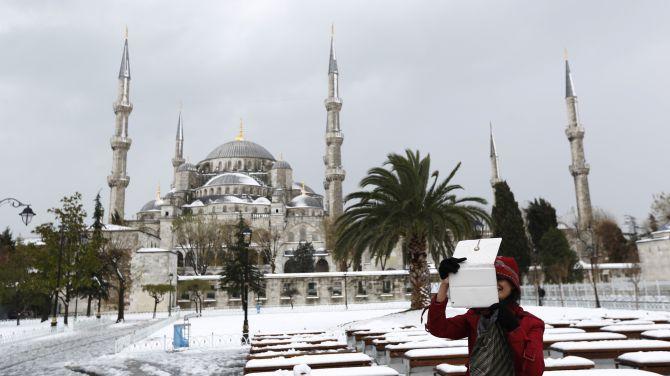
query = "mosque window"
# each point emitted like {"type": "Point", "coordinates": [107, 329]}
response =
{"type": "Point", "coordinates": [218, 191]}
{"type": "Point", "coordinates": [387, 287]}
{"type": "Point", "coordinates": [224, 209]}
{"type": "Point", "coordinates": [276, 210]}
{"type": "Point", "coordinates": [291, 237]}
{"type": "Point", "coordinates": [336, 289]}
{"type": "Point", "coordinates": [239, 165]}
{"type": "Point", "coordinates": [361, 290]}
{"type": "Point", "coordinates": [311, 289]}
{"type": "Point", "coordinates": [303, 234]}
{"type": "Point", "coordinates": [218, 166]}
{"type": "Point", "coordinates": [228, 164]}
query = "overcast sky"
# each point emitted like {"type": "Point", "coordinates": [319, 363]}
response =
{"type": "Point", "coordinates": [414, 74]}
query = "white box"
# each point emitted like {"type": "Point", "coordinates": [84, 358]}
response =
{"type": "Point", "coordinates": [474, 285]}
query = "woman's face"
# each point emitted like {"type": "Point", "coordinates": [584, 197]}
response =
{"type": "Point", "coordinates": [504, 288]}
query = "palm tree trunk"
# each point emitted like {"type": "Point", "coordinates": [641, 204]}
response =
{"type": "Point", "coordinates": [419, 275]}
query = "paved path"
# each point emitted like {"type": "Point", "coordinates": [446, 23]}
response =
{"type": "Point", "coordinates": [49, 355]}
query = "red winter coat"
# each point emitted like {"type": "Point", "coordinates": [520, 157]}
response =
{"type": "Point", "coordinates": [524, 341]}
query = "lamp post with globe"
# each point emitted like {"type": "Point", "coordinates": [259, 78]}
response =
{"type": "Point", "coordinates": [26, 214]}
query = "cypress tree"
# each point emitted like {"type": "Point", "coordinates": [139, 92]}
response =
{"type": "Point", "coordinates": [508, 224]}
{"type": "Point", "coordinates": [540, 217]}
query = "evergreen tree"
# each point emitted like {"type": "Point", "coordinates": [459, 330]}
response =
{"type": "Point", "coordinates": [303, 258]}
{"type": "Point", "coordinates": [7, 244]}
{"type": "Point", "coordinates": [540, 218]}
{"type": "Point", "coordinates": [613, 243]}
{"type": "Point", "coordinates": [508, 225]}
{"type": "Point", "coordinates": [557, 258]}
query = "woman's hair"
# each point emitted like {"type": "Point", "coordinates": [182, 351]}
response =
{"type": "Point", "coordinates": [515, 295]}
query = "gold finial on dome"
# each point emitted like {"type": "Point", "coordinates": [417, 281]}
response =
{"type": "Point", "coordinates": [158, 192]}
{"type": "Point", "coordinates": [240, 136]}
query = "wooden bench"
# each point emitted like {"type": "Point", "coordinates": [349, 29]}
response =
{"type": "Point", "coordinates": [604, 352]}
{"type": "Point", "coordinates": [289, 354]}
{"type": "Point", "coordinates": [663, 335]}
{"type": "Point", "coordinates": [634, 331]}
{"type": "Point", "coordinates": [423, 361]}
{"type": "Point", "coordinates": [601, 372]}
{"type": "Point", "coordinates": [351, 371]}
{"type": "Point", "coordinates": [591, 325]}
{"type": "Point", "coordinates": [652, 361]}
{"type": "Point", "coordinates": [301, 347]}
{"type": "Point", "coordinates": [550, 364]}
{"type": "Point", "coordinates": [313, 361]}
{"type": "Point", "coordinates": [378, 348]}
{"type": "Point", "coordinates": [394, 353]}
{"type": "Point", "coordinates": [550, 339]}
{"type": "Point", "coordinates": [306, 332]}
{"type": "Point", "coordinates": [266, 343]}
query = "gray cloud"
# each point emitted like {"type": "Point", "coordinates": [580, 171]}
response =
{"type": "Point", "coordinates": [420, 74]}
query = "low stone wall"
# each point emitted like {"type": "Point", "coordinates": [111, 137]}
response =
{"type": "Point", "coordinates": [313, 289]}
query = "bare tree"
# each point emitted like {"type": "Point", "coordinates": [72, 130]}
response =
{"type": "Point", "coordinates": [269, 241]}
{"type": "Point", "coordinates": [116, 254]}
{"type": "Point", "coordinates": [202, 237]}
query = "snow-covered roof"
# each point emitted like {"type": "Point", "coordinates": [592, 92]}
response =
{"type": "Point", "coordinates": [153, 250]}
{"type": "Point", "coordinates": [111, 227]}
{"type": "Point", "coordinates": [234, 178]}
{"type": "Point", "coordinates": [608, 265]}
{"type": "Point", "coordinates": [32, 241]}
{"type": "Point", "coordinates": [207, 277]}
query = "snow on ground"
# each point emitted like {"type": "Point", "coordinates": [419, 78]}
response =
{"type": "Point", "coordinates": [91, 349]}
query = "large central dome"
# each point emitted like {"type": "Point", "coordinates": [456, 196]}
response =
{"type": "Point", "coordinates": [240, 149]}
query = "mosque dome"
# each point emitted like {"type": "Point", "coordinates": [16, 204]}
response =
{"type": "Point", "coordinates": [234, 178]}
{"type": "Point", "coordinates": [152, 205]}
{"type": "Point", "coordinates": [281, 164]}
{"type": "Point", "coordinates": [305, 201]}
{"type": "Point", "coordinates": [186, 167]}
{"type": "Point", "coordinates": [300, 186]}
{"type": "Point", "coordinates": [240, 149]}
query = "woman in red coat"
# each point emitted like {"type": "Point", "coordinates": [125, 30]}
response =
{"type": "Point", "coordinates": [503, 340]}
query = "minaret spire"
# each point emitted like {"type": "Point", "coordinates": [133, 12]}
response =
{"type": "Point", "coordinates": [495, 168]}
{"type": "Point", "coordinates": [579, 168]}
{"type": "Point", "coordinates": [120, 142]}
{"type": "Point", "coordinates": [333, 159]}
{"type": "Point", "coordinates": [178, 159]}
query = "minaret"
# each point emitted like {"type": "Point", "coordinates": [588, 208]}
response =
{"type": "Point", "coordinates": [495, 168]}
{"type": "Point", "coordinates": [178, 159]}
{"type": "Point", "coordinates": [579, 168]}
{"type": "Point", "coordinates": [118, 180]}
{"type": "Point", "coordinates": [333, 158]}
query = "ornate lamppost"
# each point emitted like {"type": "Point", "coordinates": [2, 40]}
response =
{"type": "Point", "coordinates": [170, 297]}
{"type": "Point", "coordinates": [26, 215]}
{"type": "Point", "coordinates": [246, 240]}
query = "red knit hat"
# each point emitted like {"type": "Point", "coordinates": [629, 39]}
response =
{"type": "Point", "coordinates": [507, 268]}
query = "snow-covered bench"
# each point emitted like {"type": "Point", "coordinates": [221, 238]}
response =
{"type": "Point", "coordinates": [290, 334]}
{"type": "Point", "coordinates": [394, 353]}
{"type": "Point", "coordinates": [422, 361]}
{"type": "Point", "coordinates": [559, 323]}
{"type": "Point", "coordinates": [550, 339]}
{"type": "Point", "coordinates": [313, 361]}
{"type": "Point", "coordinates": [604, 352]}
{"type": "Point", "coordinates": [592, 325]}
{"type": "Point", "coordinates": [653, 361]}
{"type": "Point", "coordinates": [292, 353]}
{"type": "Point", "coordinates": [378, 348]}
{"type": "Point", "coordinates": [634, 331]}
{"type": "Point", "coordinates": [550, 364]}
{"type": "Point", "coordinates": [601, 372]}
{"type": "Point", "coordinates": [274, 342]}
{"type": "Point", "coordinates": [332, 345]}
{"type": "Point", "coordinates": [663, 334]}
{"type": "Point", "coordinates": [351, 371]}
{"type": "Point", "coordinates": [563, 330]}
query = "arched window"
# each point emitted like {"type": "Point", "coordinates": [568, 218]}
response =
{"type": "Point", "coordinates": [303, 234]}
{"type": "Point", "coordinates": [218, 166]}
{"type": "Point", "coordinates": [321, 266]}
{"type": "Point", "coordinates": [180, 259]}
{"type": "Point", "coordinates": [218, 191]}
{"type": "Point", "coordinates": [291, 237]}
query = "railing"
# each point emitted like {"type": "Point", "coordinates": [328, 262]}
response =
{"type": "Point", "coordinates": [619, 294]}
{"type": "Point", "coordinates": [139, 335]}
{"type": "Point", "coordinates": [44, 329]}
{"type": "Point", "coordinates": [195, 342]}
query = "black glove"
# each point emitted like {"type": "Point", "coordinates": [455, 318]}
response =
{"type": "Point", "coordinates": [506, 318]}
{"type": "Point", "coordinates": [450, 266]}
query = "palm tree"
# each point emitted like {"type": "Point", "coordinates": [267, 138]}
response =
{"type": "Point", "coordinates": [402, 205]}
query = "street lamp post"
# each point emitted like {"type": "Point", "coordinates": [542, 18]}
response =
{"type": "Point", "coordinates": [246, 239]}
{"type": "Point", "coordinates": [26, 214]}
{"type": "Point", "coordinates": [170, 297]}
{"type": "Point", "coordinates": [54, 318]}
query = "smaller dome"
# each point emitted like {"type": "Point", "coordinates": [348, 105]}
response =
{"type": "Point", "coordinates": [153, 205]}
{"type": "Point", "coordinates": [232, 178]}
{"type": "Point", "coordinates": [281, 164]}
{"type": "Point", "coordinates": [305, 201]}
{"type": "Point", "coordinates": [186, 167]}
{"type": "Point", "coordinates": [299, 186]}
{"type": "Point", "coordinates": [262, 201]}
